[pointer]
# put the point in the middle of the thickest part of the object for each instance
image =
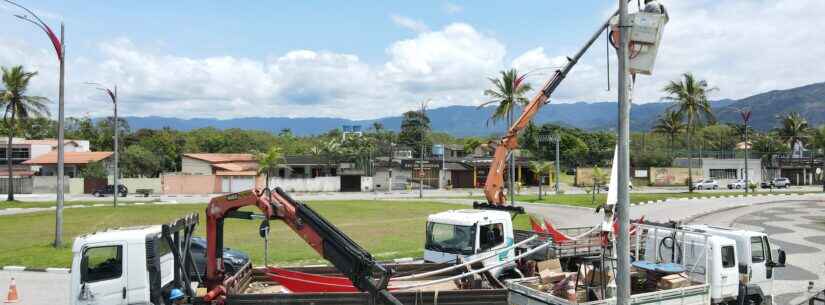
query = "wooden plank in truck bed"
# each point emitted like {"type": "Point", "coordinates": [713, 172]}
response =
{"type": "Point", "coordinates": [698, 294]}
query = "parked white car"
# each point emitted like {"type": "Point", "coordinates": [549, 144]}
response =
{"type": "Point", "coordinates": [781, 182]}
{"type": "Point", "coordinates": [706, 184]}
{"type": "Point", "coordinates": [739, 184]}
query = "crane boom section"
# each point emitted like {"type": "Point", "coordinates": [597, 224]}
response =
{"type": "Point", "coordinates": [494, 185]}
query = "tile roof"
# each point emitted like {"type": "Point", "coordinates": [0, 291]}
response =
{"type": "Point", "coordinates": [84, 157]}
{"type": "Point", "coordinates": [236, 173]}
{"type": "Point", "coordinates": [221, 158]}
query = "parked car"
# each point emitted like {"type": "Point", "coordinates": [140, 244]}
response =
{"type": "Point", "coordinates": [233, 260]}
{"type": "Point", "coordinates": [110, 190]}
{"type": "Point", "coordinates": [739, 184]}
{"type": "Point", "coordinates": [706, 184]}
{"type": "Point", "coordinates": [781, 182]}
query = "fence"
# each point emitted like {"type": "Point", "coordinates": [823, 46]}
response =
{"type": "Point", "coordinates": [317, 184]}
{"type": "Point", "coordinates": [189, 184]}
{"type": "Point", "coordinates": [22, 185]}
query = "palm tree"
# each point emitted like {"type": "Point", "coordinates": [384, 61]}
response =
{"type": "Point", "coordinates": [691, 99]}
{"type": "Point", "coordinates": [540, 168]}
{"type": "Point", "coordinates": [18, 105]}
{"type": "Point", "coordinates": [270, 161]}
{"type": "Point", "coordinates": [793, 130]}
{"type": "Point", "coordinates": [670, 124]}
{"type": "Point", "coordinates": [508, 92]}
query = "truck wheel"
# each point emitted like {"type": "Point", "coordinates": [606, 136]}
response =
{"type": "Point", "coordinates": [96, 194]}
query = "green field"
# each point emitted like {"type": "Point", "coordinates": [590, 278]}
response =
{"type": "Point", "coordinates": [48, 204]}
{"type": "Point", "coordinates": [388, 229]}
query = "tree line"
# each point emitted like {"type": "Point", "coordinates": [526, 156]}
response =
{"type": "Point", "coordinates": [688, 126]}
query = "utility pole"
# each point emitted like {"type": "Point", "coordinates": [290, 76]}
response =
{"type": "Point", "coordinates": [421, 166]}
{"type": "Point", "coordinates": [623, 200]}
{"type": "Point", "coordinates": [558, 165]}
{"type": "Point", "coordinates": [746, 116]}
{"type": "Point", "coordinates": [113, 96]}
{"type": "Point", "coordinates": [59, 45]}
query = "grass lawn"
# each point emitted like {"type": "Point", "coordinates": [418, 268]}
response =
{"type": "Point", "coordinates": [48, 204]}
{"type": "Point", "coordinates": [586, 200]}
{"type": "Point", "coordinates": [388, 229]}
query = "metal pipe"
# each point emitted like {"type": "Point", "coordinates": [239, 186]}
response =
{"type": "Point", "coordinates": [116, 171]}
{"type": "Point", "coordinates": [467, 263]}
{"type": "Point", "coordinates": [463, 275]}
{"type": "Point", "coordinates": [623, 202]}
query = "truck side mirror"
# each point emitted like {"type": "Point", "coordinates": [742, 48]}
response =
{"type": "Point", "coordinates": [781, 259]}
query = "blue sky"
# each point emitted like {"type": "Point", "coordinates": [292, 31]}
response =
{"type": "Point", "coordinates": [261, 28]}
{"type": "Point", "coordinates": [366, 59]}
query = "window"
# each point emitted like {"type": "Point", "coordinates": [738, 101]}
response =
{"type": "Point", "coordinates": [728, 257]}
{"type": "Point", "coordinates": [102, 263]}
{"type": "Point", "coordinates": [449, 238]}
{"type": "Point", "coordinates": [490, 236]}
{"type": "Point", "coordinates": [757, 250]}
{"type": "Point", "coordinates": [723, 173]}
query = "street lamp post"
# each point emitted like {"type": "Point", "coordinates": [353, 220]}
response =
{"type": "Point", "coordinates": [421, 166]}
{"type": "Point", "coordinates": [623, 200]}
{"type": "Point", "coordinates": [113, 95]}
{"type": "Point", "coordinates": [59, 47]}
{"type": "Point", "coordinates": [746, 116]}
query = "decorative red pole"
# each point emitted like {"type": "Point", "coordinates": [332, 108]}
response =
{"type": "Point", "coordinates": [59, 48]}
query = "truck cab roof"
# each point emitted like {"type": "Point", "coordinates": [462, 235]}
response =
{"type": "Point", "coordinates": [125, 234]}
{"type": "Point", "coordinates": [469, 217]}
{"type": "Point", "coordinates": [725, 231]}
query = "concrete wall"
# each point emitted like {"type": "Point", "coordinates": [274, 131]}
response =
{"type": "Point", "coordinates": [195, 167]}
{"type": "Point", "coordinates": [317, 184]}
{"type": "Point", "coordinates": [22, 185]}
{"type": "Point", "coordinates": [754, 168]}
{"type": "Point", "coordinates": [75, 186]}
{"type": "Point", "coordinates": [672, 176]}
{"type": "Point", "coordinates": [189, 184]}
{"type": "Point", "coordinates": [48, 184]}
{"type": "Point", "coordinates": [381, 180]}
{"type": "Point", "coordinates": [133, 184]}
{"type": "Point", "coordinates": [366, 184]}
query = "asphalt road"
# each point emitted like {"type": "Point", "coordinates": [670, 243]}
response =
{"type": "Point", "coordinates": [798, 227]}
{"type": "Point", "coordinates": [37, 288]}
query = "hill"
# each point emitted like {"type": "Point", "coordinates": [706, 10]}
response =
{"type": "Point", "coordinates": [471, 121]}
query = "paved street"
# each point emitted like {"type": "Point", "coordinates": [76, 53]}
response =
{"type": "Point", "coordinates": [798, 227]}
{"type": "Point", "coordinates": [37, 288]}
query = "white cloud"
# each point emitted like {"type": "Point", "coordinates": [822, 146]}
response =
{"type": "Point", "coordinates": [741, 46]}
{"type": "Point", "coordinates": [452, 8]}
{"type": "Point", "coordinates": [409, 23]}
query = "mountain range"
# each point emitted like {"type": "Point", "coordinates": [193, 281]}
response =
{"type": "Point", "coordinates": [472, 121]}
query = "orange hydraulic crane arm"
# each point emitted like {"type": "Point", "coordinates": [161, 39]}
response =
{"type": "Point", "coordinates": [330, 242]}
{"type": "Point", "coordinates": [494, 185]}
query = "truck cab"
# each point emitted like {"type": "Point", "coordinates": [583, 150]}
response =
{"type": "Point", "coordinates": [756, 259]}
{"type": "Point", "coordinates": [465, 234]}
{"type": "Point", "coordinates": [110, 267]}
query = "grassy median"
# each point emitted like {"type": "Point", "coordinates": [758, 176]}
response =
{"type": "Point", "coordinates": [388, 229]}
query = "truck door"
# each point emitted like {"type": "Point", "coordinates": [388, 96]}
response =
{"type": "Point", "coordinates": [103, 275]}
{"type": "Point", "coordinates": [491, 239]}
{"type": "Point", "coordinates": [760, 255]}
{"type": "Point", "coordinates": [729, 275]}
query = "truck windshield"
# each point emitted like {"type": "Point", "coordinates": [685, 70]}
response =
{"type": "Point", "coordinates": [449, 238]}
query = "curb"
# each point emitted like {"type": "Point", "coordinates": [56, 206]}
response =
{"type": "Point", "coordinates": [47, 270]}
